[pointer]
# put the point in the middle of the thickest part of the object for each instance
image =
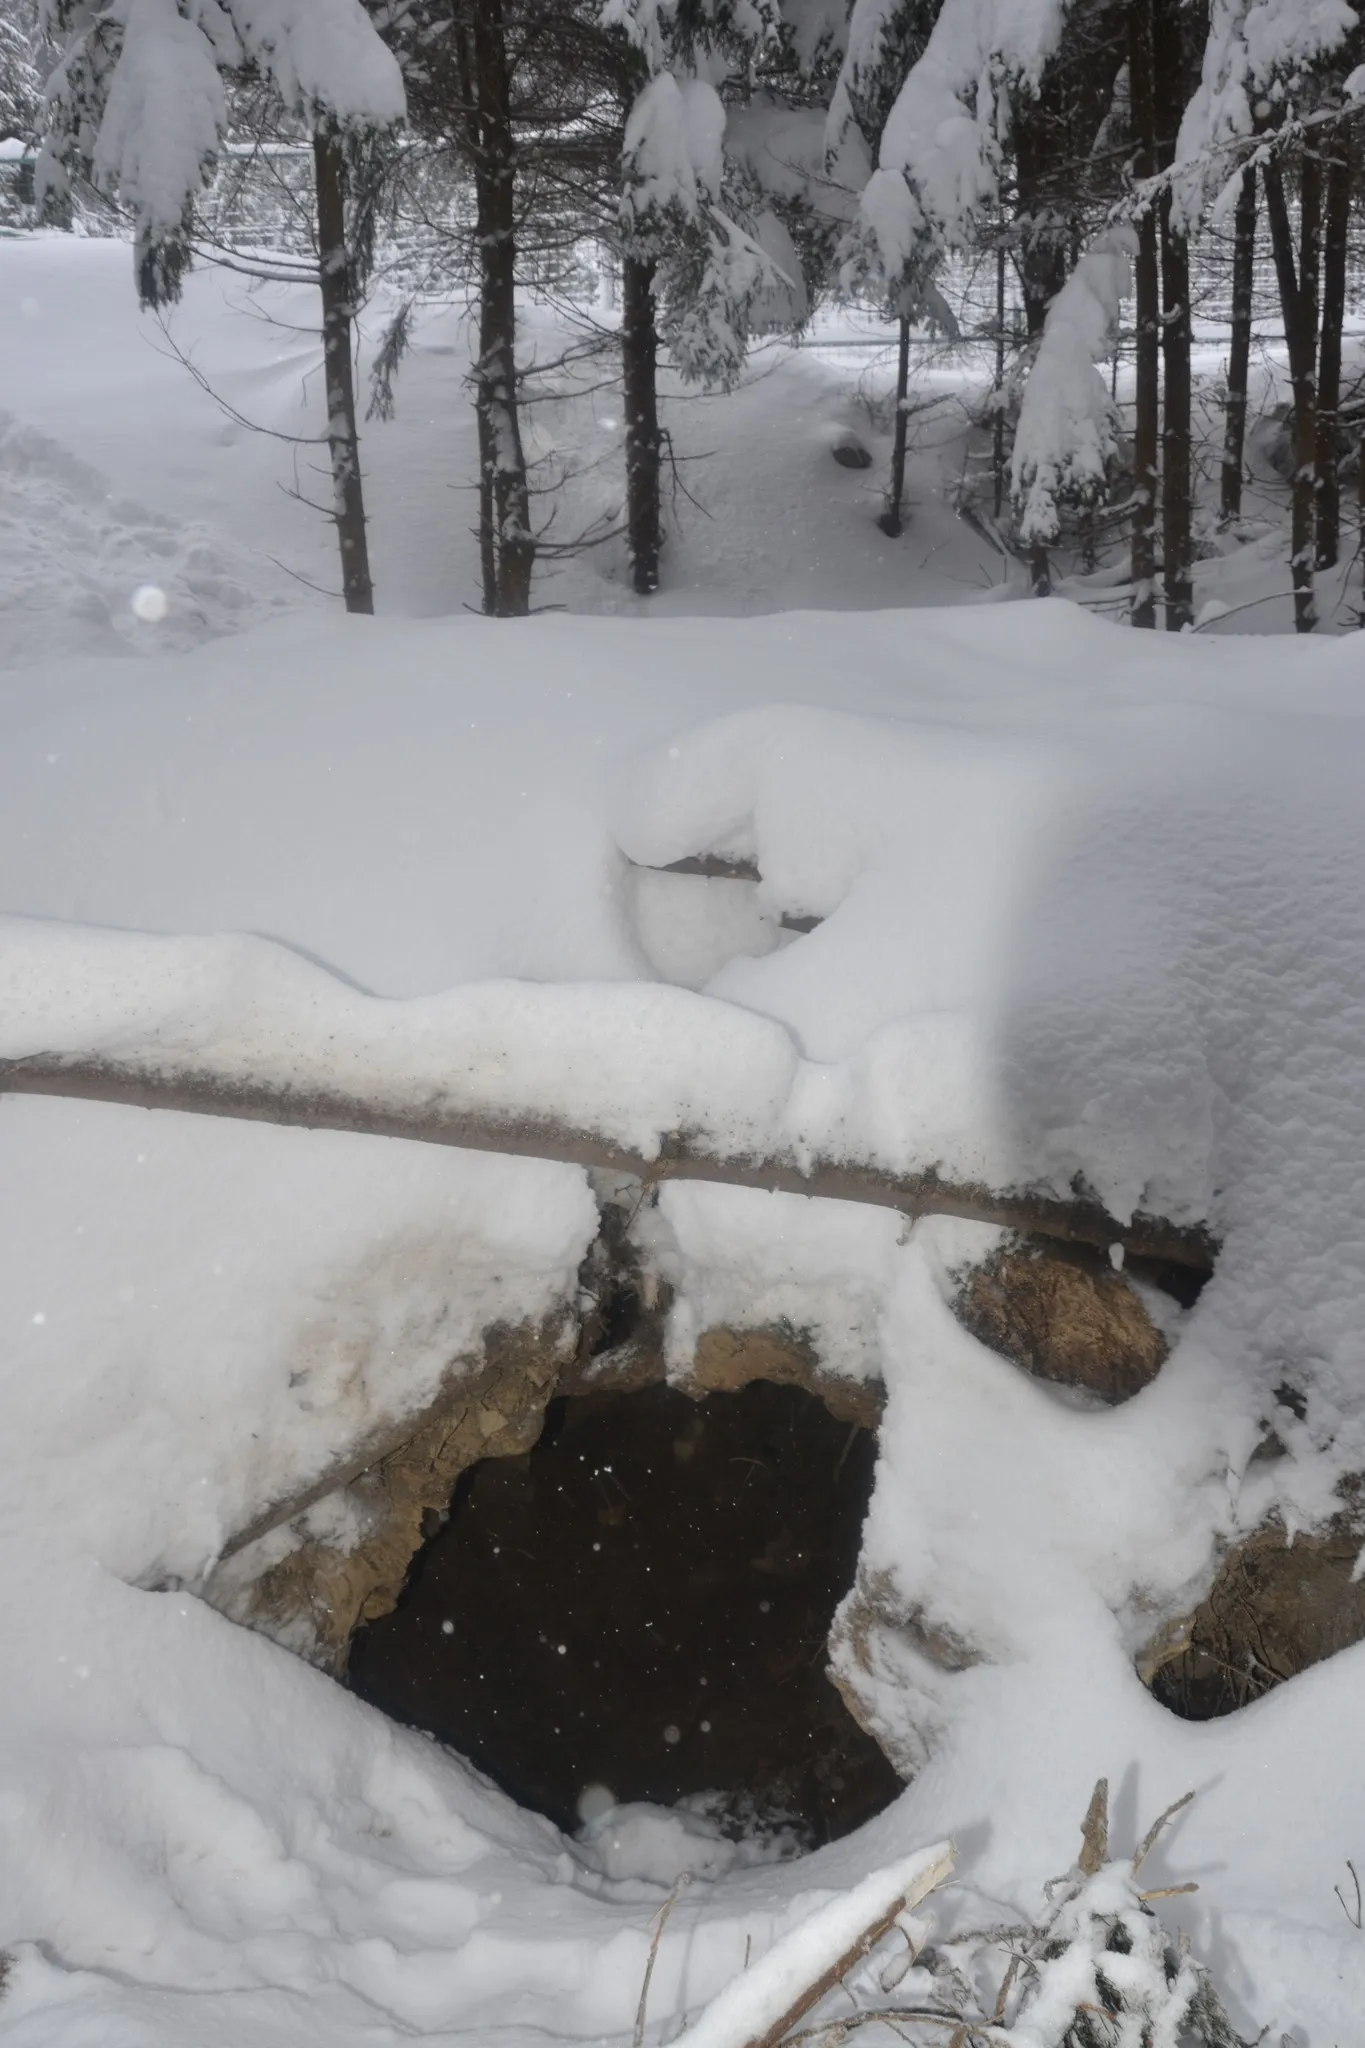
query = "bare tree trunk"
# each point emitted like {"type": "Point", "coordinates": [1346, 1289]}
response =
{"type": "Point", "coordinates": [1299, 305]}
{"type": "Point", "coordinates": [998, 436]}
{"type": "Point", "coordinates": [1170, 30]}
{"type": "Point", "coordinates": [508, 498]}
{"type": "Point", "coordinates": [1176, 491]}
{"type": "Point", "coordinates": [335, 281]}
{"type": "Point", "coordinates": [1336, 223]}
{"type": "Point", "coordinates": [890, 521]}
{"type": "Point", "coordinates": [1239, 353]}
{"type": "Point", "coordinates": [1147, 285]}
{"type": "Point", "coordinates": [488, 540]}
{"type": "Point", "coordinates": [644, 440]}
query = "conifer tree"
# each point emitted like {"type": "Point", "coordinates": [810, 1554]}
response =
{"type": "Point", "coordinates": [139, 105]}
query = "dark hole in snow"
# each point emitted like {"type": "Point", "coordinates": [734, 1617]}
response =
{"type": "Point", "coordinates": [642, 1602]}
{"type": "Point", "coordinates": [850, 452]}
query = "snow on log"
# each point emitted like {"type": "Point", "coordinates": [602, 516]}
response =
{"type": "Point", "coordinates": [758, 2008]}
{"type": "Point", "coordinates": [639, 1078]}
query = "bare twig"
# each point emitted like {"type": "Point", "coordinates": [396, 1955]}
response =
{"type": "Point", "coordinates": [660, 1923]}
{"type": "Point", "coordinates": [1095, 1830]}
{"type": "Point", "coordinates": [1148, 1841]}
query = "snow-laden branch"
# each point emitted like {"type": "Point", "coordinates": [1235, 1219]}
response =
{"type": "Point", "coordinates": [1254, 50]}
{"type": "Point", "coordinates": [639, 1078]}
{"type": "Point", "coordinates": [138, 101]}
{"type": "Point", "coordinates": [941, 150]}
{"type": "Point", "coordinates": [761, 2006]}
{"type": "Point", "coordinates": [1067, 438]}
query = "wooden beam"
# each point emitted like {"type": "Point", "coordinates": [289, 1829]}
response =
{"type": "Point", "coordinates": [141, 1084]}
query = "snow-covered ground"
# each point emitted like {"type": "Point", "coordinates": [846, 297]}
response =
{"type": "Point", "coordinates": [1092, 903]}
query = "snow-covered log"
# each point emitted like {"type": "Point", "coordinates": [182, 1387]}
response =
{"type": "Point", "coordinates": [760, 2007]}
{"type": "Point", "coordinates": [645, 1079]}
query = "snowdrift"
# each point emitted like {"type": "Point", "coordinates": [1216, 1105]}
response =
{"type": "Point", "coordinates": [1092, 908]}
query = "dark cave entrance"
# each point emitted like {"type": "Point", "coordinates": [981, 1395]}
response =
{"type": "Point", "coordinates": [642, 1603]}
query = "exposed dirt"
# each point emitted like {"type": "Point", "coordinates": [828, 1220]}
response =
{"type": "Point", "coordinates": [314, 1598]}
{"type": "Point", "coordinates": [1064, 1315]}
{"type": "Point", "coordinates": [643, 1602]}
{"type": "Point", "coordinates": [1274, 1609]}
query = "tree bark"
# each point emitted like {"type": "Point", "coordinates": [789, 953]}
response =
{"type": "Point", "coordinates": [1239, 353]}
{"type": "Point", "coordinates": [890, 521]}
{"type": "Point", "coordinates": [1171, 69]}
{"type": "Point", "coordinates": [998, 435]}
{"type": "Point", "coordinates": [1177, 506]}
{"type": "Point", "coordinates": [506, 497]}
{"type": "Point", "coordinates": [1299, 305]}
{"type": "Point", "coordinates": [336, 283]}
{"type": "Point", "coordinates": [1336, 224]}
{"type": "Point", "coordinates": [1147, 287]}
{"type": "Point", "coordinates": [644, 439]}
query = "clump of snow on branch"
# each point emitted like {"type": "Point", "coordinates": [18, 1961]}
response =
{"type": "Point", "coordinates": [941, 148]}
{"type": "Point", "coordinates": [671, 157]}
{"type": "Point", "coordinates": [714, 275]}
{"type": "Point", "coordinates": [1068, 432]}
{"type": "Point", "coordinates": [137, 100]}
{"type": "Point", "coordinates": [1254, 48]}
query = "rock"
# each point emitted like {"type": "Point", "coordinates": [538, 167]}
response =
{"type": "Point", "coordinates": [342, 1556]}
{"type": "Point", "coordinates": [1274, 1609]}
{"type": "Point", "coordinates": [849, 451]}
{"type": "Point", "coordinates": [727, 1359]}
{"type": "Point", "coordinates": [879, 1646]}
{"type": "Point", "coordinates": [1063, 1315]}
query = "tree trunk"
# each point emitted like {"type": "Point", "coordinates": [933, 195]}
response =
{"type": "Point", "coordinates": [1170, 79]}
{"type": "Point", "coordinates": [506, 491]}
{"type": "Point", "coordinates": [644, 440]}
{"type": "Point", "coordinates": [1239, 354]}
{"type": "Point", "coordinates": [1336, 223]}
{"type": "Point", "coordinates": [998, 434]}
{"type": "Point", "coordinates": [1299, 305]}
{"type": "Point", "coordinates": [890, 521]}
{"type": "Point", "coordinates": [1176, 495]}
{"type": "Point", "coordinates": [338, 370]}
{"type": "Point", "coordinates": [1147, 286]}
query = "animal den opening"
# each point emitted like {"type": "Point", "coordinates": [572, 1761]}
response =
{"type": "Point", "coordinates": [641, 1603]}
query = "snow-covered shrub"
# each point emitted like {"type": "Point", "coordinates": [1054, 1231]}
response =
{"type": "Point", "coordinates": [1100, 1970]}
{"type": "Point", "coordinates": [1067, 438]}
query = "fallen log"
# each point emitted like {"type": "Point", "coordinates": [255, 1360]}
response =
{"type": "Point", "coordinates": [144, 1082]}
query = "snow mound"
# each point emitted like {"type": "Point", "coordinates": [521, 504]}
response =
{"type": "Point", "coordinates": [84, 571]}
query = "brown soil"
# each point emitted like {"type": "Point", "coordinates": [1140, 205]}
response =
{"type": "Point", "coordinates": [1063, 1314]}
{"type": "Point", "coordinates": [1274, 1609]}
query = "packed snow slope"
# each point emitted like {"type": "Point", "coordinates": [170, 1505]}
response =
{"type": "Point", "coordinates": [1092, 903]}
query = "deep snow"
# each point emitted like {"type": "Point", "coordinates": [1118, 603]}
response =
{"type": "Point", "coordinates": [1092, 902]}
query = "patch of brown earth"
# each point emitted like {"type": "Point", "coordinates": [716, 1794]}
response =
{"type": "Point", "coordinates": [354, 1535]}
{"type": "Point", "coordinates": [1275, 1608]}
{"type": "Point", "coordinates": [1063, 1314]}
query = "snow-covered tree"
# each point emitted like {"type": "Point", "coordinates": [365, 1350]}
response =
{"type": "Point", "coordinates": [944, 137]}
{"type": "Point", "coordinates": [138, 103]}
{"type": "Point", "coordinates": [697, 272]}
{"type": "Point", "coordinates": [1269, 65]}
{"type": "Point", "coordinates": [21, 86]}
{"type": "Point", "coordinates": [709, 266]}
{"type": "Point", "coordinates": [1067, 438]}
